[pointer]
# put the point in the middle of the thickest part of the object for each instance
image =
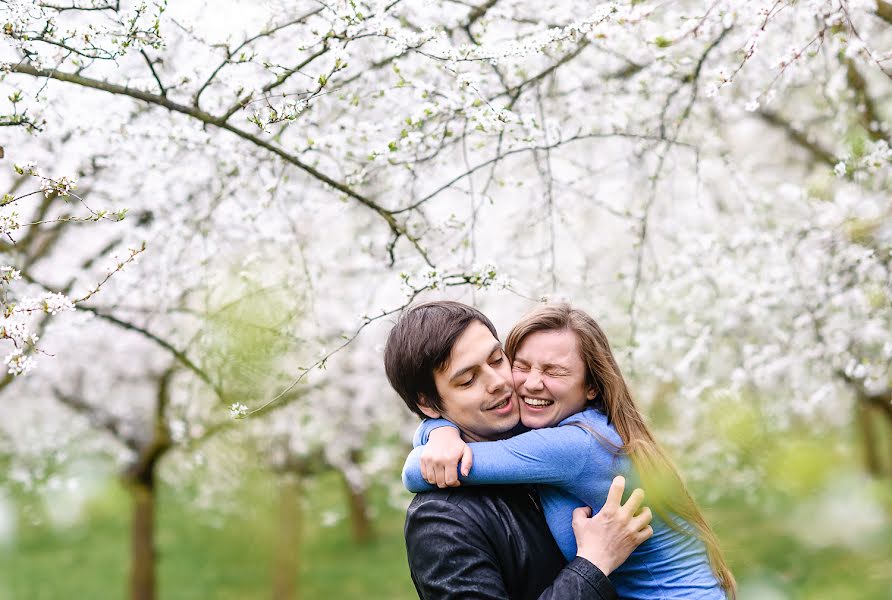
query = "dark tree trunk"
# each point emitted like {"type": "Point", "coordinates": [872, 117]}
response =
{"type": "Point", "coordinates": [290, 530]}
{"type": "Point", "coordinates": [140, 477]}
{"type": "Point", "coordinates": [868, 439]}
{"type": "Point", "coordinates": [142, 541]}
{"type": "Point", "coordinates": [360, 523]}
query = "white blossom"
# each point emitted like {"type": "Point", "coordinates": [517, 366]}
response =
{"type": "Point", "coordinates": [18, 363]}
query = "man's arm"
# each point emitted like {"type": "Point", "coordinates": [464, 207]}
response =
{"type": "Point", "coordinates": [452, 558]}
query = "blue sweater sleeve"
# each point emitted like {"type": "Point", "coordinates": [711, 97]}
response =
{"type": "Point", "coordinates": [555, 456]}
{"type": "Point", "coordinates": [422, 433]}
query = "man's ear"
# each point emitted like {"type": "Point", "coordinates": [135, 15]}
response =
{"type": "Point", "coordinates": [424, 407]}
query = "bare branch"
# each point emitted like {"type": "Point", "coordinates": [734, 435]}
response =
{"type": "Point", "coordinates": [161, 87]}
{"type": "Point", "coordinates": [575, 138]}
{"type": "Point", "coordinates": [801, 139]}
{"type": "Point", "coordinates": [98, 418]}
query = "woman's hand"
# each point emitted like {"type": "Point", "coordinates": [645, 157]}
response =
{"type": "Point", "coordinates": [441, 456]}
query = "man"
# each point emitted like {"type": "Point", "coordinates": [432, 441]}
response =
{"type": "Point", "coordinates": [489, 542]}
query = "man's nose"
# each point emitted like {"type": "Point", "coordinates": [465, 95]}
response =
{"type": "Point", "coordinates": [496, 382]}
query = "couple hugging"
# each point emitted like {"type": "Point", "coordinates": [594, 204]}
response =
{"type": "Point", "coordinates": [549, 419]}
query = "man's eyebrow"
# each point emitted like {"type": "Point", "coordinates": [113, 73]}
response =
{"type": "Point", "coordinates": [497, 346]}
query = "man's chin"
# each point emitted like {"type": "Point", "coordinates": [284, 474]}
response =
{"type": "Point", "coordinates": [495, 431]}
{"type": "Point", "coordinates": [510, 429]}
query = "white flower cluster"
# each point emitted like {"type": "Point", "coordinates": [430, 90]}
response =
{"type": "Point", "coordinates": [487, 277]}
{"type": "Point", "coordinates": [51, 303]}
{"type": "Point", "coordinates": [875, 160]}
{"type": "Point", "coordinates": [543, 41]}
{"type": "Point", "coordinates": [28, 168]}
{"type": "Point", "coordinates": [432, 279]}
{"type": "Point", "coordinates": [13, 328]}
{"type": "Point", "coordinates": [238, 410]}
{"type": "Point", "coordinates": [18, 363]}
{"type": "Point", "coordinates": [490, 120]}
{"type": "Point", "coordinates": [482, 277]}
{"type": "Point", "coordinates": [62, 186]}
{"type": "Point", "coordinates": [9, 274]}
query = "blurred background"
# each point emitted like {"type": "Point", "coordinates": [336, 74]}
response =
{"type": "Point", "coordinates": [213, 212]}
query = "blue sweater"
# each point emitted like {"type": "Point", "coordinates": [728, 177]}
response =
{"type": "Point", "coordinates": [575, 469]}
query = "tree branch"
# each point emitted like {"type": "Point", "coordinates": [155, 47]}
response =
{"type": "Point", "coordinates": [801, 139]}
{"type": "Point", "coordinates": [161, 87]}
{"type": "Point", "coordinates": [546, 147]}
{"type": "Point", "coordinates": [98, 418]}
{"type": "Point", "coordinates": [207, 118]}
{"type": "Point", "coordinates": [230, 54]}
{"type": "Point", "coordinates": [177, 354]}
{"type": "Point", "coordinates": [870, 117]}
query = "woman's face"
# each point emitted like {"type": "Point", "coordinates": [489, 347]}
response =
{"type": "Point", "coordinates": [549, 377]}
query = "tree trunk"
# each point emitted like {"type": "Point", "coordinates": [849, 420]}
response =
{"type": "Point", "coordinates": [142, 553]}
{"type": "Point", "coordinates": [287, 561]}
{"type": "Point", "coordinates": [360, 523]}
{"type": "Point", "coordinates": [869, 438]}
{"type": "Point", "coordinates": [867, 424]}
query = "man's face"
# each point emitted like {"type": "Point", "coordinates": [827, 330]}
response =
{"type": "Point", "coordinates": [550, 378]}
{"type": "Point", "coordinates": [476, 387]}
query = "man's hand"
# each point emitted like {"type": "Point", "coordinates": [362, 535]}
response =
{"type": "Point", "coordinates": [607, 539]}
{"type": "Point", "coordinates": [441, 455]}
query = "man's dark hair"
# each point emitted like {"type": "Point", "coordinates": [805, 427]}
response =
{"type": "Point", "coordinates": [420, 343]}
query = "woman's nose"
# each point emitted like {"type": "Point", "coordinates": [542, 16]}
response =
{"type": "Point", "coordinates": [533, 380]}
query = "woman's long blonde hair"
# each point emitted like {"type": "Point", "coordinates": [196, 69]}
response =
{"type": "Point", "coordinates": [667, 493]}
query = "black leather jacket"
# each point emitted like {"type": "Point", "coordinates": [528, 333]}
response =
{"type": "Point", "coordinates": [492, 543]}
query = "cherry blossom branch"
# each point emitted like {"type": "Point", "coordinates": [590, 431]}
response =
{"type": "Point", "coordinates": [231, 53]}
{"type": "Point", "coordinates": [398, 229]}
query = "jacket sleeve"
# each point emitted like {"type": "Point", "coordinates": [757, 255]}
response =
{"type": "Point", "coordinates": [580, 579]}
{"type": "Point", "coordinates": [556, 456]}
{"type": "Point", "coordinates": [452, 558]}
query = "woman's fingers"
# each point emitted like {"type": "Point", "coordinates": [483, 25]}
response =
{"type": "Point", "coordinates": [426, 472]}
{"type": "Point", "coordinates": [440, 474]}
{"type": "Point", "coordinates": [451, 476]}
{"type": "Point", "coordinates": [467, 459]}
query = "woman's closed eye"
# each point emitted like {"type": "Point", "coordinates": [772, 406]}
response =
{"type": "Point", "coordinates": [555, 372]}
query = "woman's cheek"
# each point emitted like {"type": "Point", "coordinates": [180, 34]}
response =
{"type": "Point", "coordinates": [519, 379]}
